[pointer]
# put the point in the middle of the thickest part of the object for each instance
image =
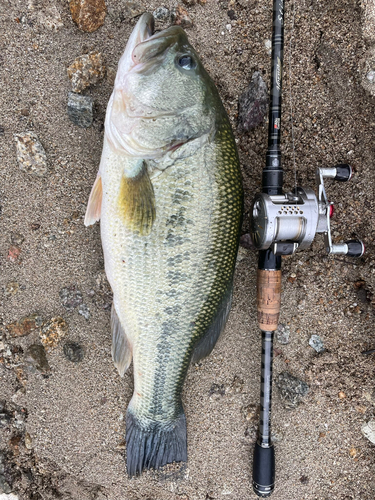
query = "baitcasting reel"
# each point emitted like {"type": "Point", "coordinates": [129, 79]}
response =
{"type": "Point", "coordinates": [289, 221]}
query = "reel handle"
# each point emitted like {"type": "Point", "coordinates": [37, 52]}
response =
{"type": "Point", "coordinates": [263, 470]}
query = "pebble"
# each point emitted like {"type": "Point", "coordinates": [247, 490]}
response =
{"type": "Point", "coordinates": [180, 17]}
{"type": "Point", "coordinates": [86, 70]}
{"type": "Point", "coordinates": [371, 76]}
{"type": "Point", "coordinates": [52, 332]}
{"type": "Point", "coordinates": [253, 104]}
{"type": "Point", "coordinates": [161, 14]}
{"type": "Point", "coordinates": [70, 297]}
{"type": "Point", "coordinates": [16, 238]}
{"type": "Point", "coordinates": [316, 343]}
{"type": "Point", "coordinates": [80, 109]}
{"type": "Point", "coordinates": [11, 496]}
{"type": "Point", "coordinates": [368, 430]}
{"type": "Point", "coordinates": [268, 46]}
{"type": "Point", "coordinates": [89, 15]}
{"type": "Point", "coordinates": [24, 326]}
{"type": "Point", "coordinates": [31, 156]}
{"type": "Point", "coordinates": [292, 390]}
{"type": "Point", "coordinates": [73, 352]}
{"type": "Point", "coordinates": [35, 356]}
{"type": "Point", "coordinates": [11, 288]}
{"type": "Point", "coordinates": [246, 242]}
{"type": "Point", "coordinates": [283, 334]}
{"type": "Point", "coordinates": [133, 9]}
{"type": "Point", "coordinates": [50, 18]}
{"type": "Point", "coordinates": [84, 311]}
{"type": "Point", "coordinates": [28, 441]}
{"type": "Point", "coordinates": [13, 253]}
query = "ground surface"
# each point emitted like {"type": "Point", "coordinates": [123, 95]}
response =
{"type": "Point", "coordinates": [62, 428]}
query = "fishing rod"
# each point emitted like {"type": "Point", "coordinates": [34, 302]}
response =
{"type": "Point", "coordinates": [281, 223]}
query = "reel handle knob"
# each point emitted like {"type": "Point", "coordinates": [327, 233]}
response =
{"type": "Point", "coordinates": [263, 470]}
{"type": "Point", "coordinates": [344, 172]}
{"type": "Point", "coordinates": [356, 248]}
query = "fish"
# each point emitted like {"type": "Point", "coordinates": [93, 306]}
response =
{"type": "Point", "coordinates": [169, 198]}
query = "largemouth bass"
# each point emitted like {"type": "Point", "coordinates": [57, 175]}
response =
{"type": "Point", "coordinates": [169, 198]}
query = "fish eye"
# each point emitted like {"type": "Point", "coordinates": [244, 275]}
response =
{"type": "Point", "coordinates": [186, 62]}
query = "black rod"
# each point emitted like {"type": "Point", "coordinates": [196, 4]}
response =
{"type": "Point", "coordinates": [269, 266]}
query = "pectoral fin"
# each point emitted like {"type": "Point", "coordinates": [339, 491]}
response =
{"type": "Point", "coordinates": [121, 348]}
{"type": "Point", "coordinates": [94, 206]}
{"type": "Point", "coordinates": [137, 201]}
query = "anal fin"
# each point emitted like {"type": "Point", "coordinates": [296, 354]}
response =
{"type": "Point", "coordinates": [205, 345]}
{"type": "Point", "coordinates": [121, 348]}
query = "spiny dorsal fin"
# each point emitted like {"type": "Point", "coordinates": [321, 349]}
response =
{"type": "Point", "coordinates": [137, 201]}
{"type": "Point", "coordinates": [94, 206]}
{"type": "Point", "coordinates": [121, 348]}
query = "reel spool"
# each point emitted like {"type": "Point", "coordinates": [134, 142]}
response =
{"type": "Point", "coordinates": [290, 221]}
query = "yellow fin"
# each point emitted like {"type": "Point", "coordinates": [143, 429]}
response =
{"type": "Point", "coordinates": [137, 201]}
{"type": "Point", "coordinates": [94, 206]}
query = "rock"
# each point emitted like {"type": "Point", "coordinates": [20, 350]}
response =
{"type": "Point", "coordinates": [16, 238]}
{"type": "Point", "coordinates": [368, 26]}
{"type": "Point", "coordinates": [253, 104]}
{"type": "Point", "coordinates": [28, 441]}
{"type": "Point", "coordinates": [47, 14]}
{"type": "Point", "coordinates": [292, 390]}
{"type": "Point", "coordinates": [246, 242]}
{"type": "Point", "coordinates": [5, 488]}
{"type": "Point", "coordinates": [24, 326]}
{"type": "Point", "coordinates": [35, 226]}
{"type": "Point", "coordinates": [70, 297]}
{"type": "Point", "coordinates": [80, 109]}
{"type": "Point", "coordinates": [89, 15]}
{"type": "Point", "coordinates": [133, 9]}
{"type": "Point", "coordinates": [189, 3]}
{"type": "Point", "coordinates": [35, 356]}
{"type": "Point", "coordinates": [283, 334]}
{"type": "Point", "coordinates": [86, 70]}
{"type": "Point", "coordinates": [84, 311]}
{"type": "Point", "coordinates": [180, 17]}
{"type": "Point", "coordinates": [73, 352]}
{"type": "Point", "coordinates": [11, 288]}
{"type": "Point", "coordinates": [2, 131]}
{"type": "Point", "coordinates": [13, 253]}
{"type": "Point", "coordinates": [161, 14]}
{"type": "Point", "coordinates": [217, 390]}
{"type": "Point", "coordinates": [50, 18]}
{"type": "Point", "coordinates": [231, 14]}
{"type": "Point", "coordinates": [316, 343]}
{"type": "Point", "coordinates": [368, 430]}
{"type": "Point", "coordinates": [52, 332]}
{"type": "Point", "coordinates": [367, 69]}
{"type": "Point", "coordinates": [30, 154]}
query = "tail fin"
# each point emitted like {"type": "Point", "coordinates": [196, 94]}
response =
{"type": "Point", "coordinates": [150, 445]}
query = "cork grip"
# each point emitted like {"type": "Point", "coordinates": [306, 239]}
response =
{"type": "Point", "coordinates": [268, 299]}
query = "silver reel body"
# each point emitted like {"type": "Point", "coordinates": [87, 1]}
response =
{"type": "Point", "coordinates": [290, 221]}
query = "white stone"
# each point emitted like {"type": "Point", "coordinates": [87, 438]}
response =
{"type": "Point", "coordinates": [368, 430]}
{"type": "Point", "coordinates": [11, 496]}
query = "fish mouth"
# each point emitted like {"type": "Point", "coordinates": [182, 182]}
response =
{"type": "Point", "coordinates": [143, 30]}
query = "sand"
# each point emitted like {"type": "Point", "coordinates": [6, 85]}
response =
{"type": "Point", "coordinates": [63, 436]}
